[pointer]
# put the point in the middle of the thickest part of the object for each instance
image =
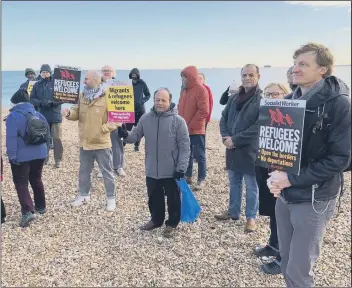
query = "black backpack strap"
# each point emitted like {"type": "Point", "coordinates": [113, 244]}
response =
{"type": "Point", "coordinates": [27, 119]}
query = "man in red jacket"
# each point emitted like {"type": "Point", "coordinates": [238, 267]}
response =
{"type": "Point", "coordinates": [193, 106]}
{"type": "Point", "coordinates": [201, 78]}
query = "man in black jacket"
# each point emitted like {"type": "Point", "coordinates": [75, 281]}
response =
{"type": "Point", "coordinates": [42, 96]}
{"type": "Point", "coordinates": [240, 132]}
{"type": "Point", "coordinates": [141, 96]}
{"type": "Point", "coordinates": [306, 202]}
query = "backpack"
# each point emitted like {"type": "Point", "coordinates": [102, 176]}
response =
{"type": "Point", "coordinates": [37, 130]}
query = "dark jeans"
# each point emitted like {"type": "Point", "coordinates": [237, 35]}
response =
{"type": "Point", "coordinates": [29, 172]}
{"type": "Point", "coordinates": [3, 212]}
{"type": "Point", "coordinates": [197, 152]}
{"type": "Point", "coordinates": [157, 189]}
{"type": "Point", "coordinates": [129, 126]}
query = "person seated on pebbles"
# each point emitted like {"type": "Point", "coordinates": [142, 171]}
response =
{"type": "Point", "coordinates": [167, 150]}
{"type": "Point", "coordinates": [95, 142]}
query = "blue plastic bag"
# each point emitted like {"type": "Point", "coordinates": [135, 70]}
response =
{"type": "Point", "coordinates": [190, 208]}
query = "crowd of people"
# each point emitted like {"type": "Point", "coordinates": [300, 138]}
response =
{"type": "Point", "coordinates": [299, 206]}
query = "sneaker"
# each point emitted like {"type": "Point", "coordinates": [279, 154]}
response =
{"type": "Point", "coordinates": [110, 204]}
{"type": "Point", "coordinates": [26, 219]}
{"type": "Point", "coordinates": [200, 185]}
{"type": "Point", "coordinates": [265, 251]}
{"type": "Point", "coordinates": [40, 210]}
{"type": "Point", "coordinates": [121, 172]}
{"type": "Point", "coordinates": [149, 226]}
{"type": "Point", "coordinates": [80, 200]}
{"type": "Point", "coordinates": [189, 180]}
{"type": "Point", "coordinates": [136, 148]}
{"type": "Point", "coordinates": [271, 268]}
{"type": "Point", "coordinates": [100, 175]}
{"type": "Point", "coordinates": [225, 216]}
{"type": "Point", "coordinates": [169, 232]}
{"type": "Point", "coordinates": [250, 227]}
{"type": "Point", "coordinates": [57, 164]}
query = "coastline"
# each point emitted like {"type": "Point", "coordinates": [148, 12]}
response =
{"type": "Point", "coordinates": [86, 246]}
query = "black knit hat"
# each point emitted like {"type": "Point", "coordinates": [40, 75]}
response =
{"type": "Point", "coordinates": [20, 96]}
{"type": "Point", "coordinates": [45, 67]}
{"type": "Point", "coordinates": [28, 70]}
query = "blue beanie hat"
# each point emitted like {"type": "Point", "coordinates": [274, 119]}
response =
{"type": "Point", "coordinates": [45, 67]}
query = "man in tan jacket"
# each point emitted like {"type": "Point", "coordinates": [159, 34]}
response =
{"type": "Point", "coordinates": [94, 134]}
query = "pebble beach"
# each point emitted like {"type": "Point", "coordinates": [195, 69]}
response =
{"type": "Point", "coordinates": [89, 247]}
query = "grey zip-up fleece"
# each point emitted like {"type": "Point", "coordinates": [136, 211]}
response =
{"type": "Point", "coordinates": [167, 143]}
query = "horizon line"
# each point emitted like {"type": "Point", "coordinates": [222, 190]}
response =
{"type": "Point", "coordinates": [2, 70]}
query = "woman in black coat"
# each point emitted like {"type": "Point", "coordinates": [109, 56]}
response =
{"type": "Point", "coordinates": [266, 199]}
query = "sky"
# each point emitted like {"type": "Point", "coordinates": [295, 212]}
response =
{"type": "Point", "coordinates": [169, 35]}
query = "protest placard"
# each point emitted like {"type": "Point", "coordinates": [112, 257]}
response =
{"type": "Point", "coordinates": [280, 134]}
{"type": "Point", "coordinates": [120, 99]}
{"type": "Point", "coordinates": [30, 87]}
{"type": "Point", "coordinates": [67, 84]}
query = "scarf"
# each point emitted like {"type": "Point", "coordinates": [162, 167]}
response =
{"type": "Point", "coordinates": [244, 96]}
{"type": "Point", "coordinates": [93, 93]}
{"type": "Point", "coordinates": [297, 94]}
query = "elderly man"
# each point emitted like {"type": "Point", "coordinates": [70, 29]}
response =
{"type": "Point", "coordinates": [42, 96]}
{"type": "Point", "coordinates": [307, 201]}
{"type": "Point", "coordinates": [289, 76]}
{"type": "Point", "coordinates": [95, 143]}
{"type": "Point", "coordinates": [240, 132]}
{"type": "Point", "coordinates": [201, 78]}
{"type": "Point", "coordinates": [118, 153]}
{"type": "Point", "coordinates": [167, 148]}
{"type": "Point", "coordinates": [193, 106]}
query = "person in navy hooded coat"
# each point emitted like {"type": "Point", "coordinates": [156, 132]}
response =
{"type": "Point", "coordinates": [26, 160]}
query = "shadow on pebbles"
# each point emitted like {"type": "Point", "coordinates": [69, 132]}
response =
{"type": "Point", "coordinates": [87, 246]}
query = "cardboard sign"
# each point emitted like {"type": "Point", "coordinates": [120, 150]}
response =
{"type": "Point", "coordinates": [30, 87]}
{"type": "Point", "coordinates": [280, 134]}
{"type": "Point", "coordinates": [67, 84]}
{"type": "Point", "coordinates": [120, 99]}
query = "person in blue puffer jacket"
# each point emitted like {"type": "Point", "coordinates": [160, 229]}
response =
{"type": "Point", "coordinates": [26, 160]}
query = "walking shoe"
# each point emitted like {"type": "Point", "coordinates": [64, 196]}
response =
{"type": "Point", "coordinates": [271, 268]}
{"type": "Point", "coordinates": [136, 148]}
{"type": "Point", "coordinates": [169, 232]}
{"type": "Point", "coordinates": [149, 226]}
{"type": "Point", "coordinates": [80, 200]}
{"type": "Point", "coordinates": [189, 180]}
{"type": "Point", "coordinates": [250, 227]}
{"type": "Point", "coordinates": [120, 172]}
{"type": "Point", "coordinates": [225, 216]}
{"type": "Point", "coordinates": [100, 175]}
{"type": "Point", "coordinates": [40, 210]}
{"type": "Point", "coordinates": [200, 185]}
{"type": "Point", "coordinates": [265, 251]}
{"type": "Point", "coordinates": [26, 219]}
{"type": "Point", "coordinates": [110, 204]}
{"type": "Point", "coordinates": [57, 164]}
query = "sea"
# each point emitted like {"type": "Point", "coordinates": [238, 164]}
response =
{"type": "Point", "coordinates": [218, 79]}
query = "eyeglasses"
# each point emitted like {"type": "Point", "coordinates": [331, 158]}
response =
{"type": "Point", "coordinates": [272, 94]}
{"type": "Point", "coordinates": [106, 71]}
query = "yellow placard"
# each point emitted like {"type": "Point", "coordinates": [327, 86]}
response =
{"type": "Point", "coordinates": [120, 103]}
{"type": "Point", "coordinates": [30, 87]}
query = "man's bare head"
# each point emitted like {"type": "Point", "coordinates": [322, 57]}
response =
{"type": "Point", "coordinates": [108, 72]}
{"type": "Point", "coordinates": [162, 100]}
{"type": "Point", "coordinates": [93, 78]}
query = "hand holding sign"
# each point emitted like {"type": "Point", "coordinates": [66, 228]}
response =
{"type": "Point", "coordinates": [66, 112]}
{"type": "Point", "coordinates": [279, 179]}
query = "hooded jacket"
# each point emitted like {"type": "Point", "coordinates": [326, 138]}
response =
{"type": "Point", "coordinates": [326, 144]}
{"type": "Point", "coordinates": [211, 102]}
{"type": "Point", "coordinates": [42, 96]}
{"type": "Point", "coordinates": [140, 91]}
{"type": "Point", "coordinates": [16, 123]}
{"type": "Point", "coordinates": [94, 128]}
{"type": "Point", "coordinates": [167, 143]}
{"type": "Point", "coordinates": [193, 105]}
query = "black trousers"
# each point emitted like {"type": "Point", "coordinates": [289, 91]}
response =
{"type": "Point", "coordinates": [157, 189]}
{"type": "Point", "coordinates": [3, 212]}
{"type": "Point", "coordinates": [273, 240]}
{"type": "Point", "coordinates": [129, 126]}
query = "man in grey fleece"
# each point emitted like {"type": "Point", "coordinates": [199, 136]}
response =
{"type": "Point", "coordinates": [307, 201]}
{"type": "Point", "coordinates": [167, 147]}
